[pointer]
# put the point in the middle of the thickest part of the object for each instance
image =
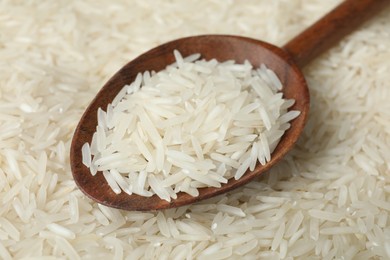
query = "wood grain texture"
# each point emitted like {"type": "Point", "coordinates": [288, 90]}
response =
{"type": "Point", "coordinates": [330, 29]}
{"type": "Point", "coordinates": [285, 62]}
{"type": "Point", "coordinates": [220, 47]}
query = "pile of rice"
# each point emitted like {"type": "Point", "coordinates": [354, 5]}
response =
{"type": "Point", "coordinates": [328, 199]}
{"type": "Point", "coordinates": [195, 124]}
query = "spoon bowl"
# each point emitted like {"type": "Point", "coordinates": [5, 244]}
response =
{"type": "Point", "coordinates": [285, 62]}
{"type": "Point", "coordinates": [222, 48]}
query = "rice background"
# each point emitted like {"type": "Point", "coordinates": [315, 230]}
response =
{"type": "Point", "coordinates": [329, 198]}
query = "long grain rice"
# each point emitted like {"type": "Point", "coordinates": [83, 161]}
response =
{"type": "Point", "coordinates": [180, 88]}
{"type": "Point", "coordinates": [331, 192]}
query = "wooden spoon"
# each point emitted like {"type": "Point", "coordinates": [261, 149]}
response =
{"type": "Point", "coordinates": [285, 61]}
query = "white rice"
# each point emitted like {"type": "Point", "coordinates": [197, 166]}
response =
{"type": "Point", "coordinates": [331, 192]}
{"type": "Point", "coordinates": [204, 135]}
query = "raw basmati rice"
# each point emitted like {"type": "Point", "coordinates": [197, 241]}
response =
{"type": "Point", "coordinates": [206, 132]}
{"type": "Point", "coordinates": [54, 56]}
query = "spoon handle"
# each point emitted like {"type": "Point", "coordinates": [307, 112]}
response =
{"type": "Point", "coordinates": [332, 28]}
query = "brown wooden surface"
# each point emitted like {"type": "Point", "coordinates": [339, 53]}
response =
{"type": "Point", "coordinates": [220, 47]}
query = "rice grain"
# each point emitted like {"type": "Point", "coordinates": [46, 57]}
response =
{"type": "Point", "coordinates": [53, 65]}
